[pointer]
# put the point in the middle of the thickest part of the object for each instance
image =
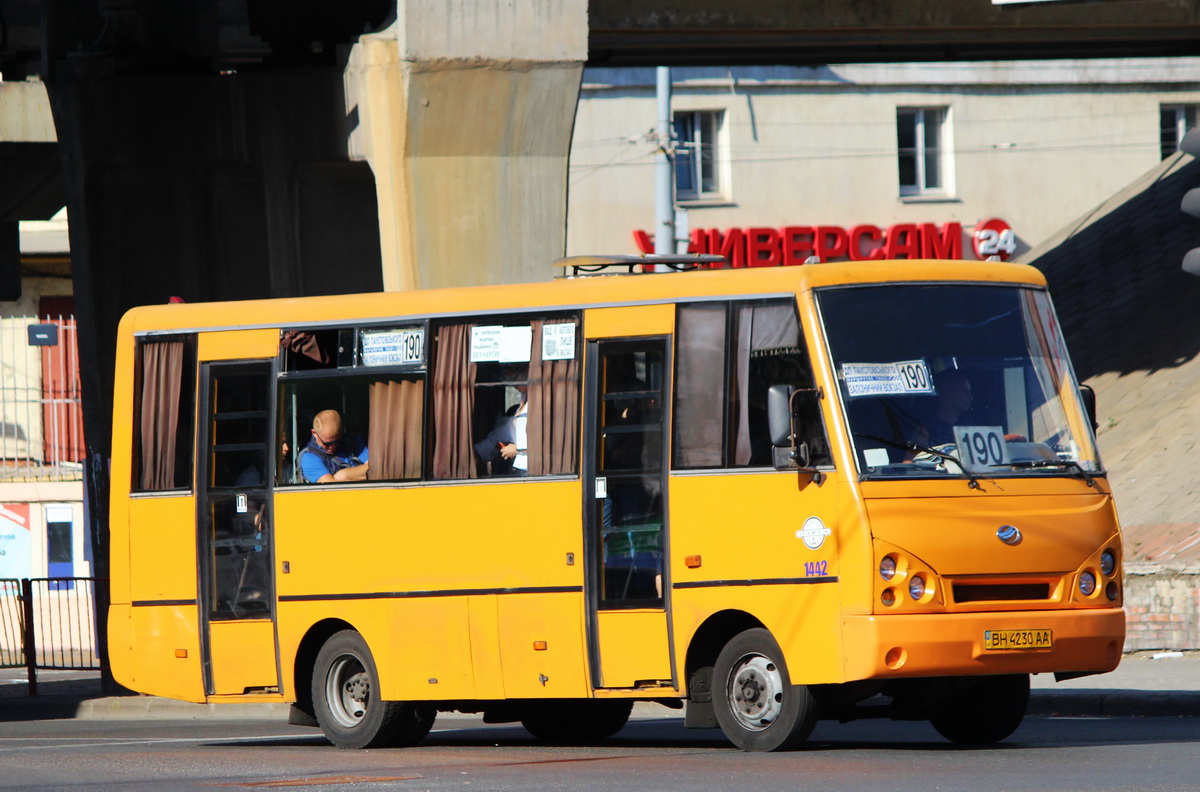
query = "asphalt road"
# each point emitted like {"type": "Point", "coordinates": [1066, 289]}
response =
{"type": "Point", "coordinates": [1061, 754]}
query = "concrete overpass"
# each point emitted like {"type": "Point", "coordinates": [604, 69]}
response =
{"type": "Point", "coordinates": [226, 149]}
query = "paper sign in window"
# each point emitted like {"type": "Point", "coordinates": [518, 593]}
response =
{"type": "Point", "coordinates": [558, 341]}
{"type": "Point", "coordinates": [981, 447]}
{"type": "Point", "coordinates": [393, 347]}
{"type": "Point", "coordinates": [887, 379]}
{"type": "Point", "coordinates": [499, 344]}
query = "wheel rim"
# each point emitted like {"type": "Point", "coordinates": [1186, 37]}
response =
{"type": "Point", "coordinates": [348, 690]}
{"type": "Point", "coordinates": [755, 692]}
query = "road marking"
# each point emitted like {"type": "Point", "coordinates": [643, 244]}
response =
{"type": "Point", "coordinates": [321, 781]}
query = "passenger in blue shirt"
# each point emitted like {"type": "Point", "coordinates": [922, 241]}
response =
{"type": "Point", "coordinates": [331, 455]}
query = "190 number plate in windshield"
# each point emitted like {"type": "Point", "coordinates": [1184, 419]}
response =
{"type": "Point", "coordinates": [1017, 639]}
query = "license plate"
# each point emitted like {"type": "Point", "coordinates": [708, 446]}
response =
{"type": "Point", "coordinates": [1017, 639]}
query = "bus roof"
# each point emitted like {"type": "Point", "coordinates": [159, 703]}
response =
{"type": "Point", "coordinates": [565, 294]}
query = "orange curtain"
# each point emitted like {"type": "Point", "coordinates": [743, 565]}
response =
{"type": "Point", "coordinates": [162, 380]}
{"type": "Point", "coordinates": [396, 409]}
{"type": "Point", "coordinates": [453, 403]}
{"type": "Point", "coordinates": [553, 409]}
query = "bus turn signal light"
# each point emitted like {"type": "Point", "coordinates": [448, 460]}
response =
{"type": "Point", "coordinates": [692, 562]}
{"type": "Point", "coordinates": [181, 653]}
{"type": "Point", "coordinates": [539, 646]}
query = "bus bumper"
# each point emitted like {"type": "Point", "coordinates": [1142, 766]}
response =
{"type": "Point", "coordinates": [952, 644]}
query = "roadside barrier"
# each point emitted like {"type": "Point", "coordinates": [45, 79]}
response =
{"type": "Point", "coordinates": [50, 623]}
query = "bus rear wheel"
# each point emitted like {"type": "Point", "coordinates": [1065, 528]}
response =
{"type": "Point", "coordinates": [984, 713]}
{"type": "Point", "coordinates": [345, 692]}
{"type": "Point", "coordinates": [755, 702]}
{"type": "Point", "coordinates": [566, 722]}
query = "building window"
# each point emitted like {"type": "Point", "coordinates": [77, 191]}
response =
{"type": "Point", "coordinates": [1174, 122]}
{"type": "Point", "coordinates": [698, 159]}
{"type": "Point", "coordinates": [922, 146]}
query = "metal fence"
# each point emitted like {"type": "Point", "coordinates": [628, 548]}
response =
{"type": "Point", "coordinates": [50, 623]}
{"type": "Point", "coordinates": [41, 421]}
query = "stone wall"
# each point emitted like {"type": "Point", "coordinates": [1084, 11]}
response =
{"type": "Point", "coordinates": [1162, 606]}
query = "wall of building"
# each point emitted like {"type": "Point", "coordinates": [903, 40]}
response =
{"type": "Point", "coordinates": [38, 496]}
{"type": "Point", "coordinates": [1036, 144]}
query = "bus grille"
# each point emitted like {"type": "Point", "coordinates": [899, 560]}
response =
{"type": "Point", "coordinates": [1000, 592]}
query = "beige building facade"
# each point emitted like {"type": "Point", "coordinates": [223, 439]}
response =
{"type": "Point", "coordinates": [1032, 144]}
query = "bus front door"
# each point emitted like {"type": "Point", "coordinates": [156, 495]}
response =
{"type": "Point", "coordinates": [234, 522]}
{"type": "Point", "coordinates": [625, 511]}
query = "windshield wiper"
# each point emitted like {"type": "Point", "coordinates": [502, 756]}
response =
{"type": "Point", "coordinates": [905, 445]}
{"type": "Point", "coordinates": [1055, 463]}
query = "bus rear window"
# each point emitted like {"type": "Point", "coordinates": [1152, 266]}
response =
{"type": "Point", "coordinates": [164, 414]}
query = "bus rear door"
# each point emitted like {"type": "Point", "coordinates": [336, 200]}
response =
{"type": "Point", "coordinates": [625, 511]}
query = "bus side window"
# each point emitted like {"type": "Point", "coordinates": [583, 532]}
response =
{"type": "Point", "coordinates": [164, 412]}
{"type": "Point", "coordinates": [490, 397]}
{"type": "Point", "coordinates": [305, 350]}
{"type": "Point", "coordinates": [372, 411]}
{"type": "Point", "coordinates": [728, 355]}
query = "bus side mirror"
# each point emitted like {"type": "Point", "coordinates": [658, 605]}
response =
{"type": "Point", "coordinates": [779, 414]}
{"type": "Point", "coordinates": [1089, 404]}
{"type": "Point", "coordinates": [784, 402]}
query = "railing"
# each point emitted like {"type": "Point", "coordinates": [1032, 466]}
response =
{"type": "Point", "coordinates": [50, 623]}
{"type": "Point", "coordinates": [41, 423]}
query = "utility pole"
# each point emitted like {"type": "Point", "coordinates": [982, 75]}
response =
{"type": "Point", "coordinates": [664, 176]}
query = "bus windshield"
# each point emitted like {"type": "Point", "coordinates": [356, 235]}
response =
{"type": "Point", "coordinates": [956, 380]}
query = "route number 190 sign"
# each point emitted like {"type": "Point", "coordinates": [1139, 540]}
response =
{"type": "Point", "coordinates": [980, 447]}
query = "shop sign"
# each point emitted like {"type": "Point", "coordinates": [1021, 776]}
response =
{"type": "Point", "coordinates": [15, 558]}
{"type": "Point", "coordinates": [772, 247]}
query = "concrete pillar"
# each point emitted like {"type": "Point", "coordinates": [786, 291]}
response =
{"type": "Point", "coordinates": [465, 112]}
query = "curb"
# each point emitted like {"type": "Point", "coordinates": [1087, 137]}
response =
{"type": "Point", "coordinates": [153, 707]}
{"type": "Point", "coordinates": [1115, 703]}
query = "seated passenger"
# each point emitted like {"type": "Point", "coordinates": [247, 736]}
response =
{"type": "Point", "coordinates": [331, 455]}
{"type": "Point", "coordinates": [508, 443]}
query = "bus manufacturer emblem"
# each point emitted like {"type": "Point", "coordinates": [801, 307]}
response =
{"type": "Point", "coordinates": [1009, 534]}
{"type": "Point", "coordinates": [813, 533]}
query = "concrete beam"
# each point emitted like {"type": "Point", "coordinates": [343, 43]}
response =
{"type": "Point", "coordinates": [32, 183]}
{"type": "Point", "coordinates": [784, 32]}
{"type": "Point", "coordinates": [466, 119]}
{"type": "Point", "coordinates": [25, 115]}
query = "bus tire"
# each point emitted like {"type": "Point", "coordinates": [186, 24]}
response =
{"type": "Point", "coordinates": [756, 704]}
{"type": "Point", "coordinates": [983, 713]}
{"type": "Point", "coordinates": [345, 685]}
{"type": "Point", "coordinates": [568, 722]}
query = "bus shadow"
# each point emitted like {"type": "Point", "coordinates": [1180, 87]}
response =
{"type": "Point", "coordinates": [1035, 734]}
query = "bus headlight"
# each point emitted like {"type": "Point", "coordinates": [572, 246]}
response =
{"type": "Point", "coordinates": [1087, 584]}
{"type": "Point", "coordinates": [1108, 562]}
{"type": "Point", "coordinates": [887, 568]}
{"type": "Point", "coordinates": [916, 587]}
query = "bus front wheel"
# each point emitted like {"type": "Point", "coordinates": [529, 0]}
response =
{"type": "Point", "coordinates": [345, 692]}
{"type": "Point", "coordinates": [756, 704]}
{"type": "Point", "coordinates": [984, 713]}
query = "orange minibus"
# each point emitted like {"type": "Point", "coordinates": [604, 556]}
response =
{"type": "Point", "coordinates": [765, 496]}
